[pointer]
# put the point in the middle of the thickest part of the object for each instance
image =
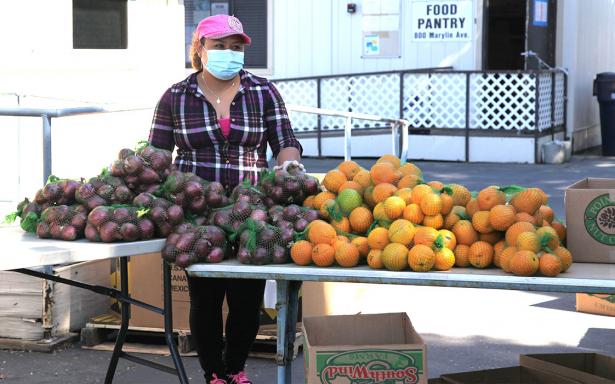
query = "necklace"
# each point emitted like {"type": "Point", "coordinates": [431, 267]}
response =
{"type": "Point", "coordinates": [212, 92]}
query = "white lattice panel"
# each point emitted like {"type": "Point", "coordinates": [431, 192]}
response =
{"type": "Point", "coordinates": [371, 94]}
{"type": "Point", "coordinates": [503, 101]}
{"type": "Point", "coordinates": [560, 97]}
{"type": "Point", "coordinates": [300, 92]}
{"type": "Point", "coordinates": [436, 100]}
{"type": "Point", "coordinates": [545, 89]}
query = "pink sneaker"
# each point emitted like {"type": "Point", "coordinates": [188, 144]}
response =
{"type": "Point", "coordinates": [238, 378]}
{"type": "Point", "coordinates": [215, 380]}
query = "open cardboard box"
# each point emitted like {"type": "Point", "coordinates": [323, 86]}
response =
{"type": "Point", "coordinates": [585, 368]}
{"type": "Point", "coordinates": [367, 348]}
{"type": "Point", "coordinates": [510, 375]}
{"type": "Point", "coordinates": [590, 220]}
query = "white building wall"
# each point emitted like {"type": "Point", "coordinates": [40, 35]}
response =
{"type": "Point", "coordinates": [588, 48]}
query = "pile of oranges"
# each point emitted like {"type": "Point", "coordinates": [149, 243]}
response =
{"type": "Point", "coordinates": [390, 217]}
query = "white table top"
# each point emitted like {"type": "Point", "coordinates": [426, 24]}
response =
{"type": "Point", "coordinates": [24, 250]}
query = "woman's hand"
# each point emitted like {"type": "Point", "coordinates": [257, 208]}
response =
{"type": "Point", "coordinates": [289, 157]}
{"type": "Point", "coordinates": [289, 164]}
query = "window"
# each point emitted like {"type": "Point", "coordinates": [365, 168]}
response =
{"type": "Point", "coordinates": [99, 24]}
{"type": "Point", "coordinates": [253, 16]}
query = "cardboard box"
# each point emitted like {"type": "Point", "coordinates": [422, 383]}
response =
{"type": "Point", "coordinates": [590, 220]}
{"type": "Point", "coordinates": [367, 348]}
{"type": "Point", "coordinates": [596, 303]}
{"type": "Point", "coordinates": [511, 375]}
{"type": "Point", "coordinates": [585, 368]}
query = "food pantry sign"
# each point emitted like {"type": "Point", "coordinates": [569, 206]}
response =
{"type": "Point", "coordinates": [445, 21]}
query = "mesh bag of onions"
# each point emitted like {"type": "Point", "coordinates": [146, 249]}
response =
{"type": "Point", "coordinates": [247, 192]}
{"type": "Point", "coordinates": [288, 187]}
{"type": "Point", "coordinates": [292, 216]}
{"type": "Point", "coordinates": [190, 244]}
{"type": "Point", "coordinates": [63, 222]}
{"type": "Point", "coordinates": [119, 223]}
{"type": "Point", "coordinates": [57, 191]}
{"type": "Point", "coordinates": [192, 192]}
{"type": "Point", "coordinates": [165, 215]}
{"type": "Point", "coordinates": [29, 213]}
{"type": "Point", "coordinates": [145, 169]}
{"type": "Point", "coordinates": [261, 243]}
{"type": "Point", "coordinates": [231, 217]}
{"type": "Point", "coordinates": [103, 190]}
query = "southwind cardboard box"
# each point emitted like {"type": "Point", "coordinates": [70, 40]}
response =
{"type": "Point", "coordinates": [596, 303]}
{"type": "Point", "coordinates": [590, 220]}
{"type": "Point", "coordinates": [510, 375]}
{"type": "Point", "coordinates": [584, 368]}
{"type": "Point", "coordinates": [378, 348]}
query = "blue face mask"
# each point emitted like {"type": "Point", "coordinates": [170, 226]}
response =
{"type": "Point", "coordinates": [224, 64]}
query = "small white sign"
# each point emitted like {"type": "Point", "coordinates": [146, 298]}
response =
{"type": "Point", "coordinates": [371, 45]}
{"type": "Point", "coordinates": [444, 21]}
{"type": "Point", "coordinates": [219, 8]}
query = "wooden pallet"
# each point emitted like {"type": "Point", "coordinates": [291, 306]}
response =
{"type": "Point", "coordinates": [96, 335]}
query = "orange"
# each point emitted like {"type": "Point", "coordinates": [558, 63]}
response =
{"type": "Point", "coordinates": [480, 222]}
{"type": "Point", "coordinates": [347, 255]}
{"type": "Point", "coordinates": [524, 263]}
{"type": "Point", "coordinates": [560, 229]}
{"type": "Point", "coordinates": [506, 256]}
{"type": "Point", "coordinates": [333, 180]}
{"type": "Point", "coordinates": [374, 259]}
{"type": "Point", "coordinates": [405, 194]}
{"type": "Point", "coordinates": [309, 201]}
{"type": "Point", "coordinates": [413, 213]}
{"type": "Point", "coordinates": [528, 241]}
{"type": "Point", "coordinates": [480, 254]}
{"type": "Point", "coordinates": [320, 198]}
{"type": "Point", "coordinates": [395, 257]}
{"type": "Point", "coordinates": [497, 252]}
{"type": "Point", "coordinates": [301, 252]}
{"type": "Point", "coordinates": [348, 200]}
{"type": "Point", "coordinates": [378, 238]}
{"type": "Point", "coordinates": [320, 232]}
{"type": "Point", "coordinates": [419, 192]}
{"type": "Point", "coordinates": [363, 178]}
{"type": "Point", "coordinates": [538, 219]}
{"type": "Point", "coordinates": [461, 194]}
{"type": "Point", "coordinates": [445, 259]}
{"type": "Point", "coordinates": [489, 198]}
{"type": "Point", "coordinates": [522, 216]}
{"type": "Point", "coordinates": [339, 240]}
{"type": "Point", "coordinates": [547, 213]}
{"type": "Point", "coordinates": [368, 196]}
{"type": "Point", "coordinates": [565, 255]}
{"type": "Point", "coordinates": [391, 159]}
{"type": "Point", "coordinates": [323, 255]}
{"type": "Point", "coordinates": [431, 204]}
{"type": "Point", "coordinates": [502, 216]}
{"type": "Point", "coordinates": [550, 264]}
{"type": "Point", "coordinates": [360, 243]}
{"type": "Point", "coordinates": [328, 208]}
{"type": "Point", "coordinates": [447, 203]}
{"type": "Point", "coordinates": [514, 230]}
{"type": "Point", "coordinates": [454, 216]}
{"type": "Point", "coordinates": [384, 172]}
{"type": "Point", "coordinates": [382, 191]}
{"type": "Point", "coordinates": [436, 185]}
{"type": "Point", "coordinates": [472, 207]}
{"type": "Point", "coordinates": [394, 207]}
{"type": "Point", "coordinates": [465, 233]}
{"type": "Point", "coordinates": [342, 225]}
{"type": "Point", "coordinates": [425, 236]}
{"type": "Point", "coordinates": [461, 255]}
{"type": "Point", "coordinates": [448, 238]}
{"type": "Point", "coordinates": [421, 258]}
{"type": "Point", "coordinates": [491, 237]}
{"type": "Point", "coordinates": [528, 200]}
{"type": "Point", "coordinates": [436, 221]}
{"type": "Point", "coordinates": [409, 181]}
{"type": "Point", "coordinates": [351, 185]}
{"type": "Point", "coordinates": [410, 169]}
{"type": "Point", "coordinates": [349, 168]}
{"type": "Point", "coordinates": [360, 219]}
{"type": "Point", "coordinates": [549, 236]}
{"type": "Point", "coordinates": [401, 231]}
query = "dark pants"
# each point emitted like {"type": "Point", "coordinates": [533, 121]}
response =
{"type": "Point", "coordinates": [244, 298]}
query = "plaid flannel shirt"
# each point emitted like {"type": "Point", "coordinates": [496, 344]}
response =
{"type": "Point", "coordinates": [184, 118]}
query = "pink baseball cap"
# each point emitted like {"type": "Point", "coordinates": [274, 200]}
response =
{"type": "Point", "coordinates": [219, 26]}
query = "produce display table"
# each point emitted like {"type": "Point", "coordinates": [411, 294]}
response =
{"type": "Point", "coordinates": [25, 253]}
{"type": "Point", "coordinates": [581, 277]}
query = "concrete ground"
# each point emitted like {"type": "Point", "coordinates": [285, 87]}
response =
{"type": "Point", "coordinates": [464, 329]}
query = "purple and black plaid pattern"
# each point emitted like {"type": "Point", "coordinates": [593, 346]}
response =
{"type": "Point", "coordinates": [184, 118]}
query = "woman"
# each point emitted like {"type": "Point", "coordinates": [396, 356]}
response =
{"type": "Point", "coordinates": [221, 119]}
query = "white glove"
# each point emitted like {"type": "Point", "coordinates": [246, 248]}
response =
{"type": "Point", "coordinates": [289, 164]}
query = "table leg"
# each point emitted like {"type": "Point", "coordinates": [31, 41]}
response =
{"type": "Point", "coordinates": [287, 308]}
{"type": "Point", "coordinates": [125, 308]}
{"type": "Point", "coordinates": [168, 323]}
